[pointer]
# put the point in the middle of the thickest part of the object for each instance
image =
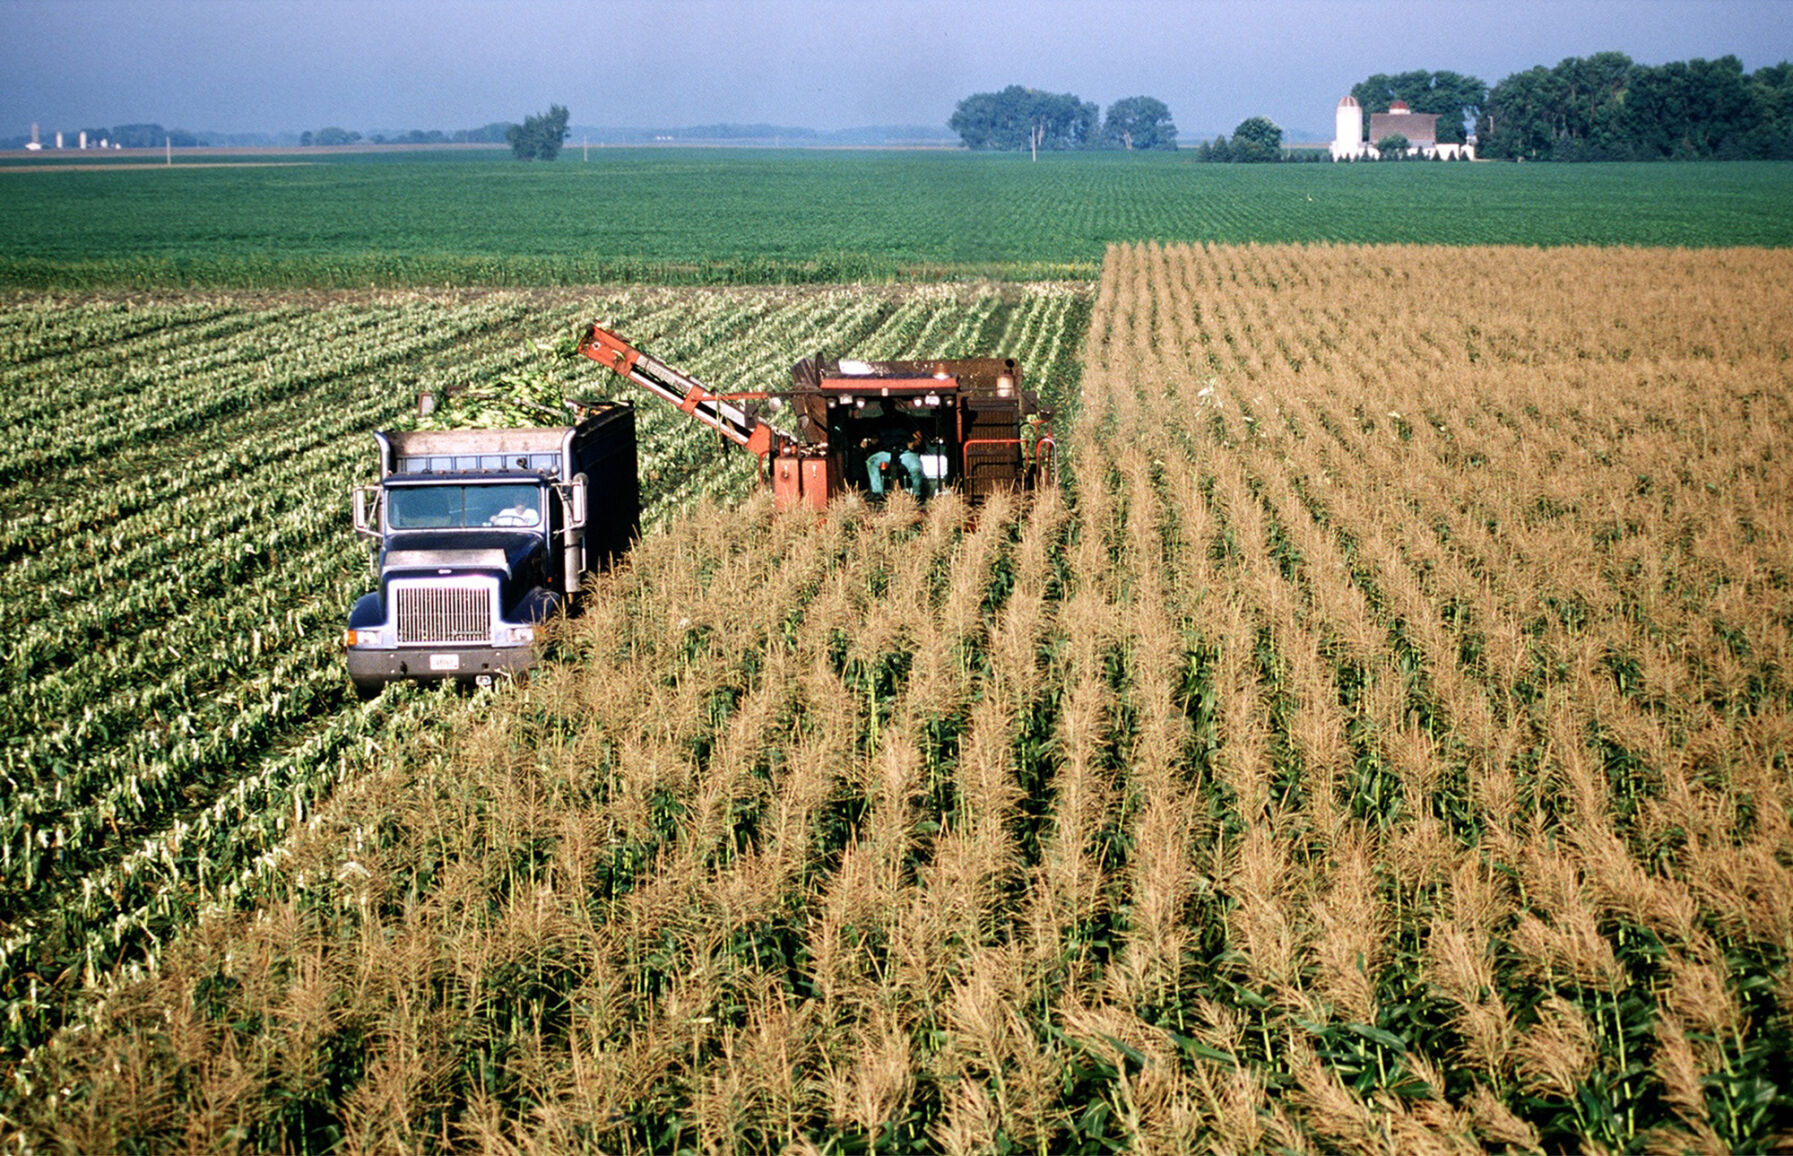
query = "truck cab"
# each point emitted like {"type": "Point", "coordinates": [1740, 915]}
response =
{"type": "Point", "coordinates": [479, 536]}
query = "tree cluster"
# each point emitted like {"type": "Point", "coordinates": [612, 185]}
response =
{"type": "Point", "coordinates": [1019, 119]}
{"type": "Point", "coordinates": [539, 137]}
{"type": "Point", "coordinates": [327, 137]}
{"type": "Point", "coordinates": [1608, 107]}
{"type": "Point", "coordinates": [148, 136]}
{"type": "Point", "coordinates": [415, 136]}
{"type": "Point", "coordinates": [1257, 140]}
{"type": "Point", "coordinates": [1394, 146]}
{"type": "Point", "coordinates": [1454, 98]}
{"type": "Point", "coordinates": [486, 134]}
{"type": "Point", "coordinates": [1139, 122]}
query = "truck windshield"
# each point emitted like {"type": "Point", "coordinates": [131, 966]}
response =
{"type": "Point", "coordinates": [440, 507]}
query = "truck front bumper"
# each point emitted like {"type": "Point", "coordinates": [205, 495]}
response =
{"type": "Point", "coordinates": [372, 668]}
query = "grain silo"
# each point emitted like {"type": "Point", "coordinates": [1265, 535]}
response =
{"type": "Point", "coordinates": [1347, 133]}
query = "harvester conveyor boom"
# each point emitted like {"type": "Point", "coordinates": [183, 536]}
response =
{"type": "Point", "coordinates": [689, 395]}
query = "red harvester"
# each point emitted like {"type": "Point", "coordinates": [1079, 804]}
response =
{"type": "Point", "coordinates": [868, 425]}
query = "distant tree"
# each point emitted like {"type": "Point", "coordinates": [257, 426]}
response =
{"type": "Point", "coordinates": [334, 136]}
{"type": "Point", "coordinates": [1257, 139]}
{"type": "Point", "coordinates": [1139, 122]}
{"type": "Point", "coordinates": [1771, 90]}
{"type": "Point", "coordinates": [1394, 146]}
{"type": "Point", "coordinates": [1024, 118]}
{"type": "Point", "coordinates": [305, 139]}
{"type": "Point", "coordinates": [1590, 95]}
{"type": "Point", "coordinates": [539, 138]}
{"type": "Point", "coordinates": [497, 132]}
{"type": "Point", "coordinates": [1700, 108]}
{"type": "Point", "coordinates": [139, 136]}
{"type": "Point", "coordinates": [1516, 121]}
{"type": "Point", "coordinates": [1219, 150]}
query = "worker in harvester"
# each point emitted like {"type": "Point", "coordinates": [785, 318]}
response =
{"type": "Point", "coordinates": [909, 457]}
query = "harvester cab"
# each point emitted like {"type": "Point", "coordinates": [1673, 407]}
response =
{"type": "Point", "coordinates": [869, 426]}
{"type": "Point", "coordinates": [922, 426]}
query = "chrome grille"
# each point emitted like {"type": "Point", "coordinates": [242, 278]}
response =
{"type": "Point", "coordinates": [443, 614]}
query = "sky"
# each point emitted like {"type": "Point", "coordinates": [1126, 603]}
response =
{"type": "Point", "coordinates": [392, 65]}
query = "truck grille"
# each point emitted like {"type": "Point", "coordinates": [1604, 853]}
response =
{"type": "Point", "coordinates": [438, 614]}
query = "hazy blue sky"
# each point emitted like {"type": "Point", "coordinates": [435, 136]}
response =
{"type": "Point", "coordinates": [288, 65]}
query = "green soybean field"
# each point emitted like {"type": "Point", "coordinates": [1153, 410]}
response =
{"type": "Point", "coordinates": [694, 216]}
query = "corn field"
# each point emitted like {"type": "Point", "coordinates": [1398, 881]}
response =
{"type": "Point", "coordinates": [176, 562]}
{"type": "Point", "coordinates": [1380, 743]}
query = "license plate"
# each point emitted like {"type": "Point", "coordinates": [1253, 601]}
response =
{"type": "Point", "coordinates": [445, 662]}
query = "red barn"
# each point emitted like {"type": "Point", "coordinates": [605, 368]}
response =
{"type": "Point", "coordinates": [1420, 128]}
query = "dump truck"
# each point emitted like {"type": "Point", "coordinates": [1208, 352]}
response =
{"type": "Point", "coordinates": [479, 536]}
{"type": "Point", "coordinates": [866, 426]}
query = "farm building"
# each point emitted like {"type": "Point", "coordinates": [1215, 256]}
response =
{"type": "Point", "coordinates": [1420, 129]}
{"type": "Point", "coordinates": [1347, 133]}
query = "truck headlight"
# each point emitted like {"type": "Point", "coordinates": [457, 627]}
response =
{"type": "Point", "coordinates": [361, 638]}
{"type": "Point", "coordinates": [518, 635]}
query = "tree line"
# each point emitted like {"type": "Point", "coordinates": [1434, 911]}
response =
{"type": "Point", "coordinates": [539, 137]}
{"type": "Point", "coordinates": [1609, 107]}
{"type": "Point", "coordinates": [1600, 107]}
{"type": "Point", "coordinates": [1019, 119]}
{"type": "Point", "coordinates": [334, 135]}
{"type": "Point", "coordinates": [1605, 107]}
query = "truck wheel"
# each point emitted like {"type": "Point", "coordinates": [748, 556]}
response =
{"type": "Point", "coordinates": [368, 691]}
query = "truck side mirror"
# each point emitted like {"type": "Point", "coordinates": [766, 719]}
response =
{"type": "Point", "coordinates": [364, 515]}
{"type": "Point", "coordinates": [573, 495]}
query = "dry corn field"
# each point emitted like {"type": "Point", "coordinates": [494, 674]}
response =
{"type": "Point", "coordinates": [1379, 744]}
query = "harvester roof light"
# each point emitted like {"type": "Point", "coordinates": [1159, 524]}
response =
{"type": "Point", "coordinates": [931, 399]}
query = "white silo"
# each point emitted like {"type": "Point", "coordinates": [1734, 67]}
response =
{"type": "Point", "coordinates": [1347, 131]}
